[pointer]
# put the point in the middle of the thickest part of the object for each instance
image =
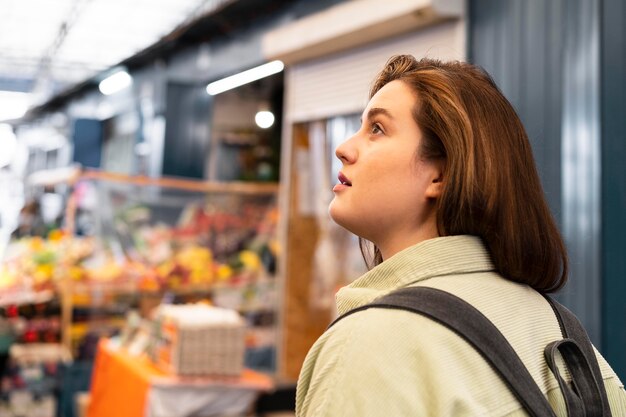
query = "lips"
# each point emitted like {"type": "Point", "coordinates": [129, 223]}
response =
{"type": "Point", "coordinates": [344, 180]}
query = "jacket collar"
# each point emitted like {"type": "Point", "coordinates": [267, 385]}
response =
{"type": "Point", "coordinates": [448, 255]}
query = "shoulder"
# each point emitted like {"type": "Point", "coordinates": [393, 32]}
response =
{"type": "Point", "coordinates": [395, 362]}
{"type": "Point", "coordinates": [400, 334]}
{"type": "Point", "coordinates": [521, 314]}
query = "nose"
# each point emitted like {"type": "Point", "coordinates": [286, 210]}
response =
{"type": "Point", "coordinates": [347, 152]}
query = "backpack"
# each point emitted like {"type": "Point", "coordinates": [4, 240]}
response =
{"type": "Point", "coordinates": [586, 397]}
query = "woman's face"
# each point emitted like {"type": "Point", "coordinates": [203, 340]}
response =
{"type": "Point", "coordinates": [386, 193]}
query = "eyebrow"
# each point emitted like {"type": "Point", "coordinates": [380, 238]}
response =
{"type": "Point", "coordinates": [374, 111]}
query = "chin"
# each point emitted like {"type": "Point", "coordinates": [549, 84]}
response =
{"type": "Point", "coordinates": [339, 216]}
{"type": "Point", "coordinates": [333, 212]}
{"type": "Point", "coordinates": [348, 221]}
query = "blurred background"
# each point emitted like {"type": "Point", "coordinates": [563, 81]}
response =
{"type": "Point", "coordinates": [166, 163]}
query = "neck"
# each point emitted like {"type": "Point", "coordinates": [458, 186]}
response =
{"type": "Point", "coordinates": [397, 242]}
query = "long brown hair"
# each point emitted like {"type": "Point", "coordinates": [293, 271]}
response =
{"type": "Point", "coordinates": [491, 188]}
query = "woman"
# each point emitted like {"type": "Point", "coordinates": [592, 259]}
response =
{"type": "Point", "coordinates": [440, 178]}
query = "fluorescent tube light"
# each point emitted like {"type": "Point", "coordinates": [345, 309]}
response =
{"type": "Point", "coordinates": [245, 77]}
{"type": "Point", "coordinates": [114, 83]}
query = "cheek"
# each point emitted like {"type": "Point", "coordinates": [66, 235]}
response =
{"type": "Point", "coordinates": [387, 190]}
{"type": "Point", "coordinates": [379, 205]}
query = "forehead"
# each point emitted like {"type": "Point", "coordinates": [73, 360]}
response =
{"type": "Point", "coordinates": [396, 97]}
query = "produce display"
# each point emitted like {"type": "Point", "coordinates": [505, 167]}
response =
{"type": "Point", "coordinates": [207, 247]}
{"type": "Point", "coordinates": [178, 240]}
{"type": "Point", "coordinates": [126, 246]}
{"type": "Point", "coordinates": [35, 264]}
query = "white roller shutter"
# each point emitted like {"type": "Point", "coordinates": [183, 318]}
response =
{"type": "Point", "coordinates": [339, 84]}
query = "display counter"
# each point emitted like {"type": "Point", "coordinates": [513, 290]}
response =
{"type": "Point", "coordinates": [128, 386]}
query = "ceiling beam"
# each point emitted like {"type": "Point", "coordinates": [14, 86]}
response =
{"type": "Point", "coordinates": [43, 77]}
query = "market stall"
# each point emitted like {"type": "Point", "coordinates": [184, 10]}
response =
{"type": "Point", "coordinates": [172, 240]}
{"type": "Point", "coordinates": [131, 244]}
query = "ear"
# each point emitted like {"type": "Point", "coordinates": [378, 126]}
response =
{"type": "Point", "coordinates": [435, 187]}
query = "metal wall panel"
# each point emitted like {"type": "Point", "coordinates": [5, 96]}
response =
{"type": "Point", "coordinates": [581, 161]}
{"type": "Point", "coordinates": [520, 44]}
{"type": "Point", "coordinates": [545, 58]}
{"type": "Point", "coordinates": [613, 105]}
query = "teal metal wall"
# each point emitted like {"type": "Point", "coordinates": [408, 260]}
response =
{"type": "Point", "coordinates": [613, 109]}
{"type": "Point", "coordinates": [562, 65]}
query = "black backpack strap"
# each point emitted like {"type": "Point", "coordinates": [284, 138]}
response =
{"type": "Point", "coordinates": [588, 398]}
{"type": "Point", "coordinates": [470, 324]}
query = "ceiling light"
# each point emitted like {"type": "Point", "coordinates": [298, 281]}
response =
{"type": "Point", "coordinates": [114, 83]}
{"type": "Point", "coordinates": [8, 144]}
{"type": "Point", "coordinates": [13, 105]}
{"type": "Point", "coordinates": [245, 77]}
{"type": "Point", "coordinates": [264, 119]}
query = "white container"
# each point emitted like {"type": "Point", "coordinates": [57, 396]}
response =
{"type": "Point", "coordinates": [199, 340]}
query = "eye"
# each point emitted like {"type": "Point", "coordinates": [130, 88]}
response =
{"type": "Point", "coordinates": [376, 129]}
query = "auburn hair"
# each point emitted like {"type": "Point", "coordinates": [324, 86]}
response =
{"type": "Point", "coordinates": [491, 188]}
